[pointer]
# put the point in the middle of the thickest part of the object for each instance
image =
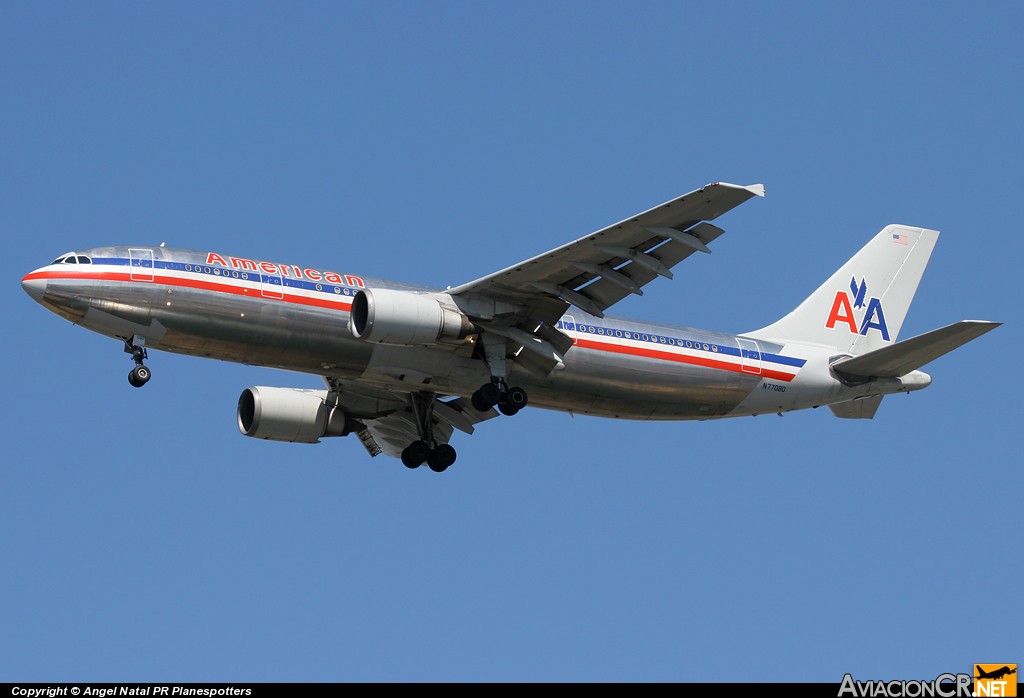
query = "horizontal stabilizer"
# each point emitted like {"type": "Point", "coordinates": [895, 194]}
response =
{"type": "Point", "coordinates": [903, 357]}
{"type": "Point", "coordinates": [861, 408]}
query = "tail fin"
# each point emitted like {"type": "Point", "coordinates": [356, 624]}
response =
{"type": "Point", "coordinates": [862, 306]}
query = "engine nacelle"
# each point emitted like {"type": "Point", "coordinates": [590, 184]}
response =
{"type": "Point", "coordinates": [410, 319]}
{"type": "Point", "coordinates": [289, 414]}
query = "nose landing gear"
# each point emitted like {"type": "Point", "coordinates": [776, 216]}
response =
{"type": "Point", "coordinates": [139, 375]}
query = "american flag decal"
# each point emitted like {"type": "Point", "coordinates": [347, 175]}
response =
{"type": "Point", "coordinates": [900, 238]}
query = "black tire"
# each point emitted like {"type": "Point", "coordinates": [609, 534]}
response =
{"type": "Point", "coordinates": [434, 464]}
{"type": "Point", "coordinates": [478, 403]}
{"type": "Point", "coordinates": [507, 409]}
{"type": "Point", "coordinates": [516, 397]}
{"type": "Point", "coordinates": [489, 395]}
{"type": "Point", "coordinates": [441, 457]}
{"type": "Point", "coordinates": [139, 376]}
{"type": "Point", "coordinates": [414, 454]}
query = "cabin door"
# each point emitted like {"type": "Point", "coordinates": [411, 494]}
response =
{"type": "Point", "coordinates": [750, 356]}
{"type": "Point", "coordinates": [140, 264]}
{"type": "Point", "coordinates": [271, 285]}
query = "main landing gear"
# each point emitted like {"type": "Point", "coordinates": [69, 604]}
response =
{"type": "Point", "coordinates": [426, 449]}
{"type": "Point", "coordinates": [497, 393]}
{"type": "Point", "coordinates": [437, 459]}
{"type": "Point", "coordinates": [508, 400]}
{"type": "Point", "coordinates": [139, 375]}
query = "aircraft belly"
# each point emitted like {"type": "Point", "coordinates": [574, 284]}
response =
{"type": "Point", "coordinates": [257, 331]}
{"type": "Point", "coordinates": [310, 340]}
{"type": "Point", "coordinates": [74, 299]}
{"type": "Point", "coordinates": [631, 387]}
{"type": "Point", "coordinates": [447, 369]}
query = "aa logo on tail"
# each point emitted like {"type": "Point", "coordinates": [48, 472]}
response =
{"type": "Point", "coordinates": [995, 680]}
{"type": "Point", "coordinates": [870, 310]}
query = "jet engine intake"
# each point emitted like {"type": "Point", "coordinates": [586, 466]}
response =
{"type": "Point", "coordinates": [290, 414]}
{"type": "Point", "coordinates": [386, 316]}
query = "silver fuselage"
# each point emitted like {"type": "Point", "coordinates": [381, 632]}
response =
{"type": "Point", "coordinates": [296, 318]}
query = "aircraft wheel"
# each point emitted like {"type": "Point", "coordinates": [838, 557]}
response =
{"type": "Point", "coordinates": [139, 376]}
{"type": "Point", "coordinates": [486, 397]}
{"type": "Point", "coordinates": [516, 397]}
{"type": "Point", "coordinates": [441, 457]}
{"type": "Point", "coordinates": [507, 409]}
{"type": "Point", "coordinates": [414, 454]}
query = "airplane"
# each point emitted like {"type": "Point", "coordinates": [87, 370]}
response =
{"type": "Point", "coordinates": [996, 674]}
{"type": "Point", "coordinates": [404, 366]}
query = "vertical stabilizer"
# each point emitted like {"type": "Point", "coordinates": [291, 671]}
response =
{"type": "Point", "coordinates": [863, 305]}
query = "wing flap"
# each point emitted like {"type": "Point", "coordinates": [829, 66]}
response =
{"type": "Point", "coordinates": [397, 430]}
{"type": "Point", "coordinates": [369, 443]}
{"type": "Point", "coordinates": [903, 357]}
{"type": "Point", "coordinates": [461, 414]}
{"type": "Point", "coordinates": [386, 415]}
{"type": "Point", "coordinates": [558, 339]}
{"type": "Point", "coordinates": [607, 290]}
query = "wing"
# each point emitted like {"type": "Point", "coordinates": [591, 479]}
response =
{"type": "Point", "coordinates": [516, 311]}
{"type": "Point", "coordinates": [386, 421]}
{"type": "Point", "coordinates": [522, 303]}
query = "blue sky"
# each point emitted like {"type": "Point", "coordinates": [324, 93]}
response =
{"type": "Point", "coordinates": [144, 539]}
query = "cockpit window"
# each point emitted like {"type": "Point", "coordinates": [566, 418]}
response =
{"type": "Point", "coordinates": [72, 258]}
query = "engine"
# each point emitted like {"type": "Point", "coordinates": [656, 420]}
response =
{"type": "Point", "coordinates": [401, 317]}
{"type": "Point", "coordinates": [290, 414]}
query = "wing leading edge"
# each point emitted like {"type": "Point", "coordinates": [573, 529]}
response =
{"type": "Point", "coordinates": [598, 270]}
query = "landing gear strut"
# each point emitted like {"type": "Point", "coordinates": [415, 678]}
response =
{"type": "Point", "coordinates": [139, 375]}
{"type": "Point", "coordinates": [437, 456]}
{"type": "Point", "coordinates": [497, 393]}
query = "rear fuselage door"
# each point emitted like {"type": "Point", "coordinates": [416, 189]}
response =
{"type": "Point", "coordinates": [750, 356]}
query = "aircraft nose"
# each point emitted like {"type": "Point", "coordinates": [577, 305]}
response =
{"type": "Point", "coordinates": [34, 287]}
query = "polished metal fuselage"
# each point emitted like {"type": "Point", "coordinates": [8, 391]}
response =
{"type": "Point", "coordinates": [296, 318]}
